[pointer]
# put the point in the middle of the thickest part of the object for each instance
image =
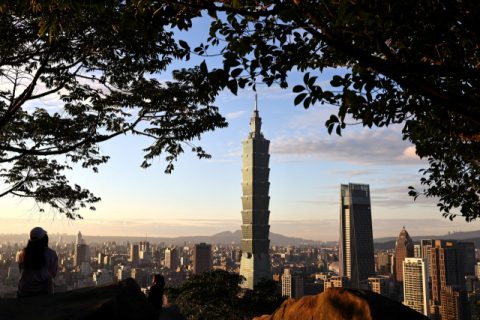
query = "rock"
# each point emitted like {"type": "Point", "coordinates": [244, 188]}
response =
{"type": "Point", "coordinates": [122, 301]}
{"type": "Point", "coordinates": [171, 312]}
{"type": "Point", "coordinates": [343, 304]}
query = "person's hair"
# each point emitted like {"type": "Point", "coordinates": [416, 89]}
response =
{"type": "Point", "coordinates": [34, 254]}
{"type": "Point", "coordinates": [159, 279]}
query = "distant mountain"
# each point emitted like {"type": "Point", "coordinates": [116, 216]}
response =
{"type": "Point", "coordinates": [454, 236]}
{"type": "Point", "coordinates": [226, 237]}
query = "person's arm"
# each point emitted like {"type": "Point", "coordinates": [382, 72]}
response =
{"type": "Point", "coordinates": [21, 260]}
{"type": "Point", "coordinates": [53, 268]}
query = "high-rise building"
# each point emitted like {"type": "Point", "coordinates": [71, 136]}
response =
{"type": "Point", "coordinates": [255, 262]}
{"type": "Point", "coordinates": [380, 285]}
{"type": "Point", "coordinates": [468, 256]}
{"type": "Point", "coordinates": [336, 282]}
{"type": "Point", "coordinates": [144, 246]}
{"type": "Point", "coordinates": [356, 236]}
{"type": "Point", "coordinates": [292, 285]}
{"type": "Point", "coordinates": [403, 249]}
{"type": "Point", "coordinates": [81, 254]}
{"type": "Point", "coordinates": [417, 251]}
{"type": "Point", "coordinates": [171, 258]}
{"type": "Point", "coordinates": [79, 238]}
{"type": "Point", "coordinates": [447, 270]}
{"type": "Point", "coordinates": [202, 258]}
{"type": "Point", "coordinates": [425, 246]}
{"type": "Point", "coordinates": [384, 260]}
{"type": "Point", "coordinates": [134, 254]}
{"type": "Point", "coordinates": [415, 285]}
{"type": "Point", "coordinates": [454, 304]}
{"type": "Point", "coordinates": [101, 263]}
{"type": "Point", "coordinates": [137, 274]}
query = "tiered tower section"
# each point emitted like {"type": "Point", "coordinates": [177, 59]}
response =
{"type": "Point", "coordinates": [255, 262]}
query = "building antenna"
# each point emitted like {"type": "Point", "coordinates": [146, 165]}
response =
{"type": "Point", "coordinates": [255, 102]}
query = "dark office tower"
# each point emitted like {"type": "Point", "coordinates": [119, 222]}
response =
{"type": "Point", "coordinates": [468, 257]}
{"type": "Point", "coordinates": [403, 249]}
{"type": "Point", "coordinates": [454, 304]}
{"type": "Point", "coordinates": [134, 254]}
{"type": "Point", "coordinates": [145, 246]}
{"type": "Point", "coordinates": [171, 258]}
{"type": "Point", "coordinates": [255, 262]}
{"type": "Point", "coordinates": [101, 263]}
{"type": "Point", "coordinates": [356, 236]}
{"type": "Point", "coordinates": [81, 254]}
{"type": "Point", "coordinates": [202, 258]}
{"type": "Point", "coordinates": [425, 246]}
{"type": "Point", "coordinates": [447, 270]}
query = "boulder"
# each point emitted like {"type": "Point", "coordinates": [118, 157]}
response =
{"type": "Point", "coordinates": [343, 304]}
{"type": "Point", "coordinates": [120, 301]}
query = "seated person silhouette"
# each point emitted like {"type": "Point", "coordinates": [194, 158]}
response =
{"type": "Point", "coordinates": [156, 291]}
{"type": "Point", "coordinates": [38, 266]}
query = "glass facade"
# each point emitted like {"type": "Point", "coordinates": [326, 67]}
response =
{"type": "Point", "coordinates": [356, 235]}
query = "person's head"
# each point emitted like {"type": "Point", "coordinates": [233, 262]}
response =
{"type": "Point", "coordinates": [35, 251]}
{"type": "Point", "coordinates": [158, 279]}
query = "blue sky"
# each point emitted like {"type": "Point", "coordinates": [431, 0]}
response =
{"type": "Point", "coordinates": [202, 197]}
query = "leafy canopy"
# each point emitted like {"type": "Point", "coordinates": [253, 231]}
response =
{"type": "Point", "coordinates": [217, 295]}
{"type": "Point", "coordinates": [414, 63]}
{"type": "Point", "coordinates": [409, 62]}
{"type": "Point", "coordinates": [100, 69]}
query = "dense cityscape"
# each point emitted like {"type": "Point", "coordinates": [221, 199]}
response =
{"type": "Point", "coordinates": [438, 278]}
{"type": "Point", "coordinates": [422, 276]}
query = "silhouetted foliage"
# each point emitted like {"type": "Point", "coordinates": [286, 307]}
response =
{"type": "Point", "coordinates": [217, 295]}
{"type": "Point", "coordinates": [101, 71]}
{"type": "Point", "coordinates": [414, 63]}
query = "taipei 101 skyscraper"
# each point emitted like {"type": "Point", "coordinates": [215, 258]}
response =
{"type": "Point", "coordinates": [255, 262]}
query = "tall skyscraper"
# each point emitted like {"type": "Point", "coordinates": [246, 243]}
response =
{"type": "Point", "coordinates": [81, 254]}
{"type": "Point", "coordinates": [468, 256]}
{"type": "Point", "coordinates": [425, 246]}
{"type": "Point", "coordinates": [415, 285]}
{"type": "Point", "coordinates": [134, 254]}
{"type": "Point", "coordinates": [255, 261]}
{"type": "Point", "coordinates": [79, 238]}
{"type": "Point", "coordinates": [356, 235]}
{"type": "Point", "coordinates": [417, 251]}
{"type": "Point", "coordinates": [454, 304]}
{"type": "Point", "coordinates": [145, 246]}
{"type": "Point", "coordinates": [403, 249]}
{"type": "Point", "coordinates": [447, 270]}
{"type": "Point", "coordinates": [171, 258]}
{"type": "Point", "coordinates": [292, 285]}
{"type": "Point", "coordinates": [202, 258]}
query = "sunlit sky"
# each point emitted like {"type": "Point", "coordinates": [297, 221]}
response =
{"type": "Point", "coordinates": [202, 197]}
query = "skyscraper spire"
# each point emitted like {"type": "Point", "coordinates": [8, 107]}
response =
{"type": "Point", "coordinates": [255, 262]}
{"type": "Point", "coordinates": [256, 121]}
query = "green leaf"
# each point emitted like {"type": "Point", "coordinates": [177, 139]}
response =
{"type": "Point", "coordinates": [236, 4]}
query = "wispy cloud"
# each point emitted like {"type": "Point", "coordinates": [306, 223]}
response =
{"type": "Point", "coordinates": [234, 115]}
{"type": "Point", "coordinates": [352, 173]}
{"type": "Point", "coordinates": [367, 147]}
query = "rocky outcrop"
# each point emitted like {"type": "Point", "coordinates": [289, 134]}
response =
{"type": "Point", "coordinates": [120, 301]}
{"type": "Point", "coordinates": [343, 304]}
